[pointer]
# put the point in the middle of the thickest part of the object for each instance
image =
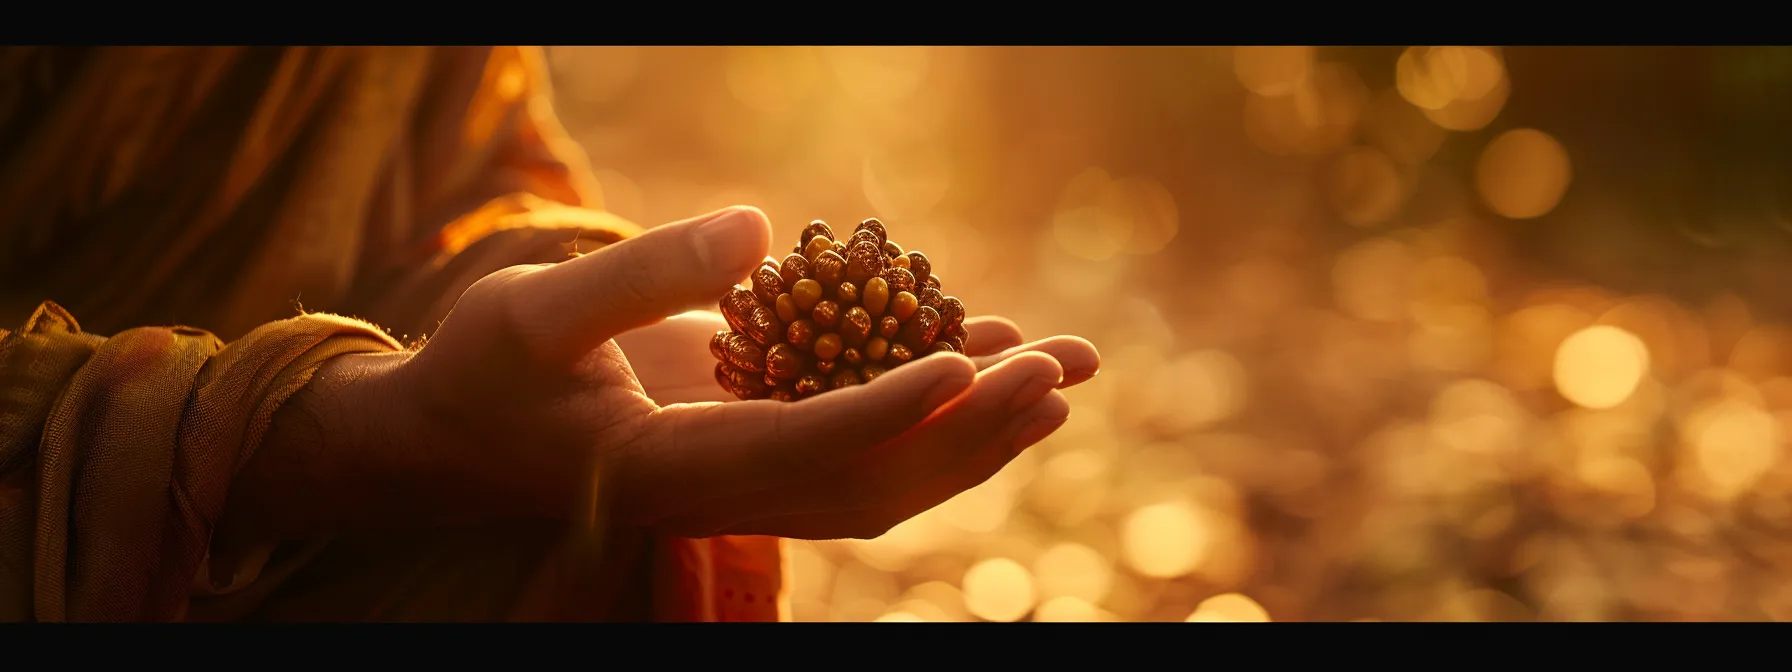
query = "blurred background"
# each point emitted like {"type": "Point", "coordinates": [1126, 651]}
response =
{"type": "Point", "coordinates": [1427, 333]}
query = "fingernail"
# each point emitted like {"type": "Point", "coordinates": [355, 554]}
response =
{"type": "Point", "coordinates": [1037, 430]}
{"type": "Point", "coordinates": [1030, 392]}
{"type": "Point", "coordinates": [726, 241]}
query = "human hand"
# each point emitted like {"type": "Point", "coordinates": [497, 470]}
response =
{"type": "Point", "coordinates": [525, 391]}
{"type": "Point", "coordinates": [661, 358]}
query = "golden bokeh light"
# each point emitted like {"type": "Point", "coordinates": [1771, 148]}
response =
{"type": "Point", "coordinates": [1599, 367]}
{"type": "Point", "coordinates": [1365, 187]}
{"type": "Point", "coordinates": [1432, 77]}
{"type": "Point", "coordinates": [1458, 88]}
{"type": "Point", "coordinates": [940, 601]}
{"type": "Point", "coordinates": [1229, 608]}
{"type": "Point", "coordinates": [999, 589]}
{"type": "Point", "coordinates": [1318, 116]}
{"type": "Point", "coordinates": [1624, 479]}
{"type": "Point", "coordinates": [1529, 339]}
{"type": "Point", "coordinates": [1272, 70]}
{"type": "Point", "coordinates": [861, 593]}
{"type": "Point", "coordinates": [1195, 389]}
{"type": "Point", "coordinates": [1069, 610]}
{"type": "Point", "coordinates": [1401, 130]}
{"type": "Point", "coordinates": [1166, 540]}
{"type": "Point", "coordinates": [1763, 353]}
{"type": "Point", "coordinates": [1735, 443]}
{"type": "Point", "coordinates": [1523, 174]}
{"type": "Point", "coordinates": [1479, 416]}
{"type": "Point", "coordinates": [1070, 569]}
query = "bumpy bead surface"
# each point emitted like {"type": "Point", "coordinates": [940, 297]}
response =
{"type": "Point", "coordinates": [835, 312]}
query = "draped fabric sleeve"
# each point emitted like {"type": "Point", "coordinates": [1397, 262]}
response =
{"type": "Point", "coordinates": [490, 161]}
{"type": "Point", "coordinates": [116, 454]}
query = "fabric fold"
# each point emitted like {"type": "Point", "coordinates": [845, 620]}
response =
{"type": "Point", "coordinates": [134, 458]}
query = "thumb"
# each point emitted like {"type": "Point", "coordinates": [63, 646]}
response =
{"type": "Point", "coordinates": [573, 306]}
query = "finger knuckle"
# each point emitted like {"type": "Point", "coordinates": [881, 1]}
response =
{"type": "Point", "coordinates": [497, 295]}
{"type": "Point", "coordinates": [636, 283]}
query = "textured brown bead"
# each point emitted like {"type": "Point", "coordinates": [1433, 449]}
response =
{"type": "Point", "coordinates": [742, 384]}
{"type": "Point", "coordinates": [784, 361]}
{"type": "Point", "coordinates": [876, 296]}
{"type": "Point", "coordinates": [903, 306]}
{"type": "Point", "coordinates": [826, 314]}
{"type": "Point", "coordinates": [748, 316]}
{"type": "Point", "coordinates": [767, 285]}
{"type": "Point", "coordinates": [951, 311]}
{"type": "Point", "coordinates": [864, 261]}
{"type": "Point", "coordinates": [839, 310]}
{"type": "Point", "coordinates": [794, 268]}
{"type": "Point", "coordinates": [810, 383]}
{"type": "Point", "coordinates": [876, 227]}
{"type": "Point", "coordinates": [828, 347]}
{"type": "Point", "coordinates": [956, 333]}
{"type": "Point", "coordinates": [814, 249]}
{"type": "Point", "coordinates": [900, 279]}
{"type": "Point", "coordinates": [863, 236]}
{"type": "Point", "coordinates": [847, 294]}
{"type": "Point", "coordinates": [817, 228]}
{"type": "Point", "coordinates": [919, 265]}
{"type": "Point", "coordinates": [806, 293]}
{"type": "Point", "coordinates": [737, 350]}
{"type": "Point", "coordinates": [920, 332]}
{"type": "Point", "coordinates": [855, 327]}
{"type": "Point", "coordinates": [830, 269]}
{"type": "Point", "coordinates": [931, 298]}
{"type": "Point", "coordinates": [900, 353]}
{"type": "Point", "coordinates": [801, 334]}
{"type": "Point", "coordinates": [786, 308]}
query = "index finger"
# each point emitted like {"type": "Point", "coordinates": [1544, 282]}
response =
{"type": "Point", "coordinates": [690, 453]}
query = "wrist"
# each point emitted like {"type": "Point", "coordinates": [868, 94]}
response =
{"type": "Point", "coordinates": [326, 460]}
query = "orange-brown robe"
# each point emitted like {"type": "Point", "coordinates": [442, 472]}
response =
{"type": "Point", "coordinates": [220, 188]}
